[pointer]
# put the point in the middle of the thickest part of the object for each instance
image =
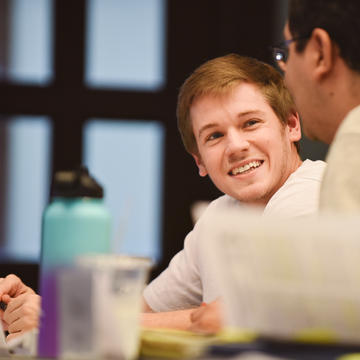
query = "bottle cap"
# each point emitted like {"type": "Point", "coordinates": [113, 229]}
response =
{"type": "Point", "coordinates": [75, 183]}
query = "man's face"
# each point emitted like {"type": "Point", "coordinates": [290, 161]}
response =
{"type": "Point", "coordinates": [306, 94]}
{"type": "Point", "coordinates": [242, 145]}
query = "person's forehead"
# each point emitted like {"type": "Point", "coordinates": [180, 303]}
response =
{"type": "Point", "coordinates": [244, 97]}
{"type": "Point", "coordinates": [230, 91]}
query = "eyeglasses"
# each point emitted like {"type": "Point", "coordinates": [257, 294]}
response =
{"type": "Point", "coordinates": [280, 51]}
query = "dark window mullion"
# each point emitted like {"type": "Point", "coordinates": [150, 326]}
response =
{"type": "Point", "coordinates": [67, 141]}
{"type": "Point", "coordinates": [4, 19]}
{"type": "Point", "coordinates": [69, 59]}
{"type": "Point", "coordinates": [191, 30]}
{"type": "Point", "coordinates": [190, 25]}
{"type": "Point", "coordinates": [69, 50]}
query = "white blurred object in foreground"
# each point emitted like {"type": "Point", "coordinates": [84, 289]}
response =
{"type": "Point", "coordinates": [288, 279]}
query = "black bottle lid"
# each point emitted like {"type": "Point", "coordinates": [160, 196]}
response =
{"type": "Point", "coordinates": [75, 183]}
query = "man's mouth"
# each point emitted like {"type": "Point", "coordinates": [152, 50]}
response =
{"type": "Point", "coordinates": [246, 168]}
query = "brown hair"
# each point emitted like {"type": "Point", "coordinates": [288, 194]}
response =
{"type": "Point", "coordinates": [218, 76]}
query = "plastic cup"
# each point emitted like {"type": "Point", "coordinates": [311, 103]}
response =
{"type": "Point", "coordinates": [117, 283]}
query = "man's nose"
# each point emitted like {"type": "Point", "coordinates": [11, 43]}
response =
{"type": "Point", "coordinates": [237, 142]}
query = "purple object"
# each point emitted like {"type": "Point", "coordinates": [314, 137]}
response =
{"type": "Point", "coordinates": [48, 336]}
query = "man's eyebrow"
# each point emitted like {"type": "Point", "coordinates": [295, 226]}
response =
{"type": "Point", "coordinates": [206, 127]}
{"type": "Point", "coordinates": [251, 112]}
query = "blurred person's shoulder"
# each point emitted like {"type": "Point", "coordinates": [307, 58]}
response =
{"type": "Point", "coordinates": [299, 195]}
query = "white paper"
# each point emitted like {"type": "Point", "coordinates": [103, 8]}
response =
{"type": "Point", "coordinates": [287, 278]}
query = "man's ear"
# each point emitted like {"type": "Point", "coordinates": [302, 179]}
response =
{"type": "Point", "coordinates": [324, 52]}
{"type": "Point", "coordinates": [200, 165]}
{"type": "Point", "coordinates": [293, 127]}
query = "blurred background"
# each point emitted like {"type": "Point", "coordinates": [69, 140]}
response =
{"type": "Point", "coordinates": [95, 82]}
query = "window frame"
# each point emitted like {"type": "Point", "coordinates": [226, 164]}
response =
{"type": "Point", "coordinates": [195, 31]}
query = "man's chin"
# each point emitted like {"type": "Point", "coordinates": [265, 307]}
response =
{"type": "Point", "coordinates": [310, 133]}
{"type": "Point", "coordinates": [255, 199]}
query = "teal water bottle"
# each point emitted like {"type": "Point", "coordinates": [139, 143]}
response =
{"type": "Point", "coordinates": [76, 222]}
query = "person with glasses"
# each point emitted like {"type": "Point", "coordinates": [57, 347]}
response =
{"type": "Point", "coordinates": [281, 50]}
{"type": "Point", "coordinates": [238, 121]}
{"type": "Point", "coordinates": [320, 58]}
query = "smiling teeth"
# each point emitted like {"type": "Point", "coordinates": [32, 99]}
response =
{"type": "Point", "coordinates": [241, 169]}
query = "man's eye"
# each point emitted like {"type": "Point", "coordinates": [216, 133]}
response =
{"type": "Point", "coordinates": [251, 122]}
{"type": "Point", "coordinates": [214, 136]}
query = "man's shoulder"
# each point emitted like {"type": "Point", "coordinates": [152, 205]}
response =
{"type": "Point", "coordinates": [307, 177]}
{"type": "Point", "coordinates": [350, 124]}
{"type": "Point", "coordinates": [310, 170]}
{"type": "Point", "coordinates": [224, 201]}
{"type": "Point", "coordinates": [299, 196]}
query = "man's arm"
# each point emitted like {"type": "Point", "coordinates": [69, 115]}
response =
{"type": "Point", "coordinates": [145, 307]}
{"type": "Point", "coordinates": [207, 319]}
{"type": "Point", "coordinates": [177, 287]}
{"type": "Point", "coordinates": [179, 319]}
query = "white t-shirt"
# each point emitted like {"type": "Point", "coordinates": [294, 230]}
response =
{"type": "Point", "coordinates": [340, 189]}
{"type": "Point", "coordinates": [186, 282]}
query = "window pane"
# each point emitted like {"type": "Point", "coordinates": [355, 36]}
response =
{"type": "Point", "coordinates": [126, 158]}
{"type": "Point", "coordinates": [27, 171]}
{"type": "Point", "coordinates": [29, 55]}
{"type": "Point", "coordinates": [125, 43]}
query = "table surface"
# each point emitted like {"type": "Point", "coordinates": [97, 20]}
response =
{"type": "Point", "coordinates": [286, 350]}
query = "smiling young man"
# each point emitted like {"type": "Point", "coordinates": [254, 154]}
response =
{"type": "Point", "coordinates": [241, 144]}
{"type": "Point", "coordinates": [321, 61]}
{"type": "Point", "coordinates": [239, 123]}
